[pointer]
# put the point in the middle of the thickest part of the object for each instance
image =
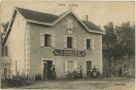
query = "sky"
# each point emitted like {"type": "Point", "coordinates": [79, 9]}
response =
{"type": "Point", "coordinates": [99, 12]}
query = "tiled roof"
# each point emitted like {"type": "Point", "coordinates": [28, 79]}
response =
{"type": "Point", "coordinates": [91, 25]}
{"type": "Point", "coordinates": [45, 18]}
{"type": "Point", "coordinates": [49, 18]}
{"type": "Point", "coordinates": [37, 16]}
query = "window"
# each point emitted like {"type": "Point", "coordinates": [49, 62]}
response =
{"type": "Point", "coordinates": [69, 24]}
{"type": "Point", "coordinates": [88, 46]}
{"type": "Point", "coordinates": [47, 40]}
{"type": "Point", "coordinates": [69, 42]}
{"type": "Point", "coordinates": [70, 66]}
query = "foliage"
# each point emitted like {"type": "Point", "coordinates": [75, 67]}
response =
{"type": "Point", "coordinates": [119, 41]}
{"type": "Point", "coordinates": [15, 81]}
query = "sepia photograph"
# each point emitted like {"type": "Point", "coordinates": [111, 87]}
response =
{"type": "Point", "coordinates": [67, 44]}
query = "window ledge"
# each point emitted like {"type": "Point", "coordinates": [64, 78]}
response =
{"type": "Point", "coordinates": [46, 47]}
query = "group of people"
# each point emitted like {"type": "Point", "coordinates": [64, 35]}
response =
{"type": "Point", "coordinates": [75, 74]}
{"type": "Point", "coordinates": [49, 74]}
{"type": "Point", "coordinates": [94, 73]}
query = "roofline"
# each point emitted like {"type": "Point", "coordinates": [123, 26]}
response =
{"type": "Point", "coordinates": [48, 24]}
{"type": "Point", "coordinates": [63, 16]}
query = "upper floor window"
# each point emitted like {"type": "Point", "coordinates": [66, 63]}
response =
{"type": "Point", "coordinates": [88, 43]}
{"type": "Point", "coordinates": [69, 24]}
{"type": "Point", "coordinates": [47, 40]}
{"type": "Point", "coordinates": [69, 42]}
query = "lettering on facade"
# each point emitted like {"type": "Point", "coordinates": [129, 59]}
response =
{"type": "Point", "coordinates": [75, 53]}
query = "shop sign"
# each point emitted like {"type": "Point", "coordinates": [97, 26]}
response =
{"type": "Point", "coordinates": [75, 53]}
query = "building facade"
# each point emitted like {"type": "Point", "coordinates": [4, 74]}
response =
{"type": "Point", "coordinates": [35, 41]}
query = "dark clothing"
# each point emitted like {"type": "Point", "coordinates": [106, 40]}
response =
{"type": "Point", "coordinates": [45, 74]}
{"type": "Point", "coordinates": [53, 73]}
{"type": "Point", "coordinates": [75, 74]}
{"type": "Point", "coordinates": [80, 74]}
{"type": "Point", "coordinates": [94, 69]}
{"type": "Point", "coordinates": [120, 72]}
{"type": "Point", "coordinates": [98, 73]}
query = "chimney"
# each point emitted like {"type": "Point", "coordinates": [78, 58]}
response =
{"type": "Point", "coordinates": [86, 17]}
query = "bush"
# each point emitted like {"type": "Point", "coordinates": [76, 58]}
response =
{"type": "Point", "coordinates": [15, 81]}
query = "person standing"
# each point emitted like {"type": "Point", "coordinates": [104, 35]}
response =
{"type": "Point", "coordinates": [53, 72]}
{"type": "Point", "coordinates": [94, 72]}
{"type": "Point", "coordinates": [120, 72]}
{"type": "Point", "coordinates": [80, 72]}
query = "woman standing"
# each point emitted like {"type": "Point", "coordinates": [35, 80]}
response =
{"type": "Point", "coordinates": [53, 72]}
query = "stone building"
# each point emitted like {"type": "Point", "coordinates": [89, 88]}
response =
{"type": "Point", "coordinates": [35, 40]}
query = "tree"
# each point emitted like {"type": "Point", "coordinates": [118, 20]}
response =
{"type": "Point", "coordinates": [126, 39]}
{"type": "Point", "coordinates": [109, 41]}
{"type": "Point", "coordinates": [118, 42]}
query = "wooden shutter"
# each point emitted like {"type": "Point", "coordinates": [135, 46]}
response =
{"type": "Point", "coordinates": [74, 42]}
{"type": "Point", "coordinates": [92, 44]}
{"type": "Point", "coordinates": [65, 42]}
{"type": "Point", "coordinates": [84, 43]}
{"type": "Point", "coordinates": [42, 39]}
{"type": "Point", "coordinates": [53, 40]}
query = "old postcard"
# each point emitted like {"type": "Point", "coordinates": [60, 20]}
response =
{"type": "Point", "coordinates": [67, 44]}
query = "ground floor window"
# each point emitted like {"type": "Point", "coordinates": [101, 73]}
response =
{"type": "Point", "coordinates": [70, 66]}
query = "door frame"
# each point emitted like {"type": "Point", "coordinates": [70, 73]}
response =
{"type": "Point", "coordinates": [42, 62]}
{"type": "Point", "coordinates": [86, 65]}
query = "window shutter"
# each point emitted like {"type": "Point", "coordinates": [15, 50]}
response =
{"type": "Point", "coordinates": [53, 40]}
{"type": "Point", "coordinates": [42, 39]}
{"type": "Point", "coordinates": [65, 42]}
{"type": "Point", "coordinates": [74, 42]}
{"type": "Point", "coordinates": [92, 44]}
{"type": "Point", "coordinates": [66, 66]}
{"type": "Point", "coordinates": [84, 43]}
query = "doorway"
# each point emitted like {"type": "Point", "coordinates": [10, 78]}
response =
{"type": "Point", "coordinates": [47, 69]}
{"type": "Point", "coordinates": [88, 67]}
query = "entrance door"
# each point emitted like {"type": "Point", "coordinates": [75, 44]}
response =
{"type": "Point", "coordinates": [88, 67]}
{"type": "Point", "coordinates": [47, 69]}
